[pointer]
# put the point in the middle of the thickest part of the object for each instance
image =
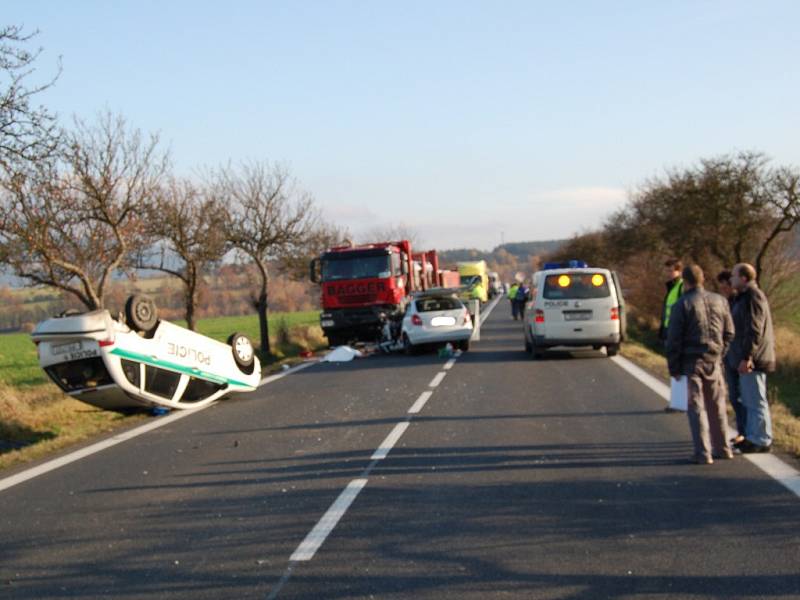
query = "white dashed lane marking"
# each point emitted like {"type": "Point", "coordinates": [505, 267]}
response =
{"type": "Point", "coordinates": [437, 380]}
{"type": "Point", "coordinates": [391, 439]}
{"type": "Point", "coordinates": [423, 398]}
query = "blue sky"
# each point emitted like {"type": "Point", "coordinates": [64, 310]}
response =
{"type": "Point", "coordinates": [464, 121]}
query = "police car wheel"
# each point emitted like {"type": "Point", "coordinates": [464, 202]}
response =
{"type": "Point", "coordinates": [243, 352]}
{"type": "Point", "coordinates": [141, 313]}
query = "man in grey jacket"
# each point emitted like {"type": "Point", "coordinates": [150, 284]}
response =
{"type": "Point", "coordinates": [700, 330]}
{"type": "Point", "coordinates": [752, 354]}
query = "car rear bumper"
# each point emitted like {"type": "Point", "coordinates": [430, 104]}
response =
{"type": "Point", "coordinates": [544, 341]}
{"type": "Point", "coordinates": [438, 337]}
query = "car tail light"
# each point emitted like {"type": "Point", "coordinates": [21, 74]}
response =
{"type": "Point", "coordinates": [106, 343]}
{"type": "Point", "coordinates": [615, 313]}
{"type": "Point", "coordinates": [416, 320]}
{"type": "Point", "coordinates": [539, 316]}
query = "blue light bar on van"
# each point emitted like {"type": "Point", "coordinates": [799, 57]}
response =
{"type": "Point", "coordinates": [567, 264]}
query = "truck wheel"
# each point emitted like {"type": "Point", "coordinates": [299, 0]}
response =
{"type": "Point", "coordinates": [243, 352]}
{"type": "Point", "coordinates": [141, 313]}
{"type": "Point", "coordinates": [612, 349]}
{"type": "Point", "coordinates": [463, 345]}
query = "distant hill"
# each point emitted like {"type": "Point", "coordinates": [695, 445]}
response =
{"type": "Point", "coordinates": [522, 251]}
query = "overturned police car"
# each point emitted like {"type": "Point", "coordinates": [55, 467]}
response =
{"type": "Point", "coordinates": [141, 361]}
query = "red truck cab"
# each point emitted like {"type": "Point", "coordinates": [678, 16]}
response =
{"type": "Point", "coordinates": [363, 287]}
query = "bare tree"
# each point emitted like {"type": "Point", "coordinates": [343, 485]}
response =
{"type": "Point", "coordinates": [398, 231]}
{"type": "Point", "coordinates": [27, 133]}
{"type": "Point", "coordinates": [190, 224]}
{"type": "Point", "coordinates": [270, 219]}
{"type": "Point", "coordinates": [70, 222]}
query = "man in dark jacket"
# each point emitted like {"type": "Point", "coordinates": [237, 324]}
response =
{"type": "Point", "coordinates": [699, 333]}
{"type": "Point", "coordinates": [752, 354]}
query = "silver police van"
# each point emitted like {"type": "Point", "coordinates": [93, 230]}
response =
{"type": "Point", "coordinates": [574, 305]}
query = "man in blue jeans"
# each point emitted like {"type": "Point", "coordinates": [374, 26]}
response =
{"type": "Point", "coordinates": [752, 354]}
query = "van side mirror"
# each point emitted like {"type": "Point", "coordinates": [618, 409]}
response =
{"type": "Point", "coordinates": [313, 271]}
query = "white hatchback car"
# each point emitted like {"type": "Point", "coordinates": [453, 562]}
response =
{"type": "Point", "coordinates": [575, 307]}
{"type": "Point", "coordinates": [436, 317]}
{"type": "Point", "coordinates": [143, 361]}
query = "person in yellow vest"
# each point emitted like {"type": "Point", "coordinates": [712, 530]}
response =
{"type": "Point", "coordinates": [674, 289]}
{"type": "Point", "coordinates": [477, 291]}
{"type": "Point", "coordinates": [512, 295]}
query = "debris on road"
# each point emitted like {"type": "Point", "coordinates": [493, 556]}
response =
{"type": "Point", "coordinates": [342, 354]}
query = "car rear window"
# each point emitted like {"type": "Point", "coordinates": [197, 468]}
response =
{"type": "Point", "coordinates": [433, 304]}
{"type": "Point", "coordinates": [576, 286]}
{"type": "Point", "coordinates": [82, 374]}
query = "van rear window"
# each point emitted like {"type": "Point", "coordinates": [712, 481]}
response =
{"type": "Point", "coordinates": [576, 286]}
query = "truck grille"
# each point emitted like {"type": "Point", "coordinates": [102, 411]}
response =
{"type": "Point", "coordinates": [357, 299]}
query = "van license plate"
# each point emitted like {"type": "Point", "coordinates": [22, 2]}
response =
{"type": "Point", "coordinates": [577, 315]}
{"type": "Point", "coordinates": [65, 348]}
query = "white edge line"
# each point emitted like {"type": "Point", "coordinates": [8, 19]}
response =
{"type": "Point", "coordinates": [778, 470]}
{"type": "Point", "coordinates": [386, 445]}
{"type": "Point", "coordinates": [294, 369]}
{"type": "Point", "coordinates": [57, 463]}
{"type": "Point", "coordinates": [437, 379]}
{"type": "Point", "coordinates": [317, 536]}
{"type": "Point", "coordinates": [449, 364]}
{"type": "Point", "coordinates": [490, 308]}
{"type": "Point", "coordinates": [423, 398]}
{"type": "Point", "coordinates": [659, 387]}
{"type": "Point", "coordinates": [773, 466]}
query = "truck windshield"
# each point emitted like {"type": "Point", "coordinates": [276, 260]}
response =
{"type": "Point", "coordinates": [356, 267]}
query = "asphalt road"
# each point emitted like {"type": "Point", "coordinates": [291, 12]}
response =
{"type": "Point", "coordinates": [560, 478]}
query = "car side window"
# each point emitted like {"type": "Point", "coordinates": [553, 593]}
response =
{"type": "Point", "coordinates": [161, 382]}
{"type": "Point", "coordinates": [199, 389]}
{"type": "Point", "coordinates": [132, 371]}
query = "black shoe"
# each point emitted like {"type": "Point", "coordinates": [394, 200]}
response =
{"type": "Point", "coordinates": [748, 447]}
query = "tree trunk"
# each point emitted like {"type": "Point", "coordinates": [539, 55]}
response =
{"type": "Point", "coordinates": [190, 305]}
{"type": "Point", "coordinates": [263, 323]}
{"type": "Point", "coordinates": [191, 298]}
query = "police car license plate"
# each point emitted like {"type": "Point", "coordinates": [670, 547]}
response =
{"type": "Point", "coordinates": [58, 349]}
{"type": "Point", "coordinates": [577, 315]}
